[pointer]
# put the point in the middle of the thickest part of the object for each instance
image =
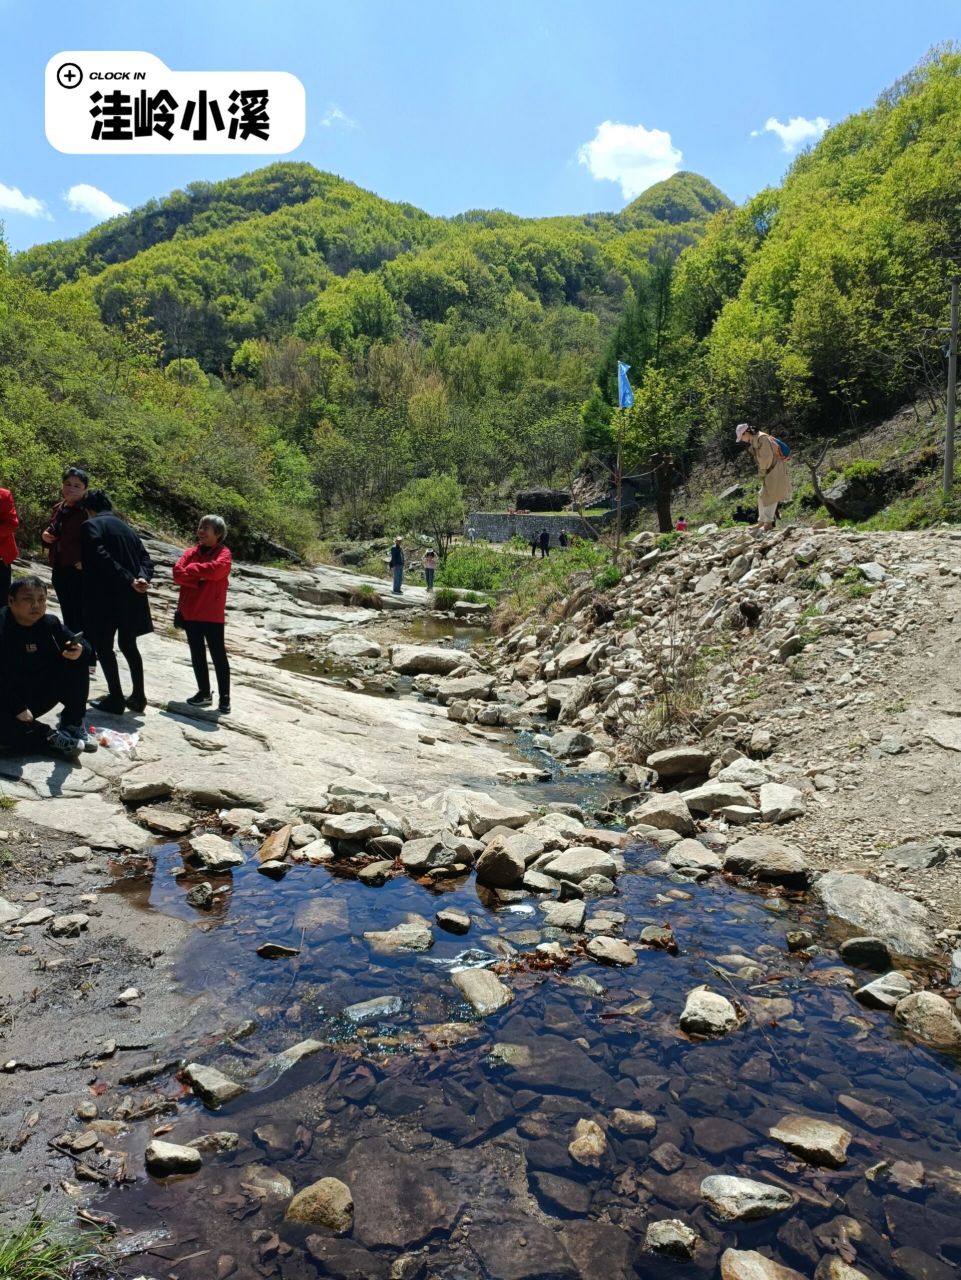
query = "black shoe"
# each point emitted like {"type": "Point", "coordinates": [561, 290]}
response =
{"type": "Point", "coordinates": [200, 700]}
{"type": "Point", "coordinates": [137, 702]}
{"type": "Point", "coordinates": [113, 706]}
{"type": "Point", "coordinates": [224, 706]}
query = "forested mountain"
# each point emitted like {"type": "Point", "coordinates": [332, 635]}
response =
{"type": "Point", "coordinates": [286, 346]}
{"type": "Point", "coordinates": [329, 343]}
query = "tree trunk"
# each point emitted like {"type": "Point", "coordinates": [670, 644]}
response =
{"type": "Point", "coordinates": [662, 486]}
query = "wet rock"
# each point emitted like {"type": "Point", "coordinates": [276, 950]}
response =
{"type": "Point", "coordinates": [780, 803]}
{"type": "Point", "coordinates": [561, 1194]}
{"type": "Point", "coordinates": [413, 934]}
{"type": "Point", "coordinates": [884, 992]}
{"type": "Point", "coordinates": [837, 1269]}
{"type": "Point", "coordinates": [211, 1086]}
{"type": "Point", "coordinates": [271, 1185]}
{"type": "Point", "coordinates": [921, 1266]}
{"type": "Point", "coordinates": [375, 873]}
{"type": "Point", "coordinates": [216, 1143]}
{"type": "Point", "coordinates": [768, 860]}
{"type": "Point", "coordinates": [345, 1259]}
{"type": "Point", "coordinates": [589, 1144]}
{"type": "Point", "coordinates": [374, 1010]}
{"type": "Point", "coordinates": [743, 1199]}
{"type": "Point", "coordinates": [667, 1157]}
{"type": "Point", "coordinates": [632, 1124]}
{"type": "Point", "coordinates": [276, 951]}
{"type": "Point", "coordinates": [748, 1264]}
{"type": "Point", "coordinates": [680, 762]}
{"type": "Point", "coordinates": [718, 1137]}
{"type": "Point", "coordinates": [39, 915]}
{"type": "Point", "coordinates": [708, 1014]}
{"type": "Point", "coordinates": [482, 990]}
{"type": "Point", "coordinates": [315, 853]}
{"type": "Point", "coordinates": [672, 1238]}
{"type": "Point", "coordinates": [592, 1243]}
{"type": "Point", "coordinates": [427, 852]}
{"type": "Point", "coordinates": [200, 896]}
{"type": "Point", "coordinates": [399, 1200]}
{"type": "Point", "coordinates": [611, 951]}
{"type": "Point", "coordinates": [274, 848]}
{"type": "Point", "coordinates": [273, 870]}
{"type": "Point", "coordinates": [578, 863]}
{"type": "Point", "coordinates": [564, 915]}
{"type": "Point", "coordinates": [799, 939]}
{"type": "Point", "coordinates": [69, 926]}
{"type": "Point", "coordinates": [594, 885]}
{"type": "Point", "coordinates": [901, 922]}
{"type": "Point", "coordinates": [920, 855]}
{"type": "Point", "coordinates": [326, 1203]}
{"type": "Point", "coordinates": [165, 1158]}
{"type": "Point", "coordinates": [352, 826]}
{"type": "Point", "coordinates": [870, 1116]}
{"type": "Point", "coordinates": [691, 853]}
{"type": "Point", "coordinates": [669, 812]}
{"type": "Point", "coordinates": [453, 921]}
{"type": "Point", "coordinates": [214, 853]}
{"type": "Point", "coordinates": [499, 866]}
{"type": "Point", "coordinates": [816, 1141]}
{"type": "Point", "coordinates": [570, 743]}
{"type": "Point", "coordinates": [415, 660]}
{"type": "Point", "coordinates": [521, 1249]}
{"type": "Point", "coordinates": [866, 953]}
{"type": "Point", "coordinates": [929, 1017]}
{"type": "Point", "coordinates": [716, 795]}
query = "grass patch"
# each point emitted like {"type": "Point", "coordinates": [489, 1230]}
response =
{"type": "Point", "coordinates": [476, 568]}
{"type": "Point", "coordinates": [444, 599]}
{"type": "Point", "coordinates": [665, 541]}
{"type": "Point", "coordinates": [28, 1253]}
{"type": "Point", "coordinates": [366, 596]}
{"type": "Point", "coordinates": [6, 803]}
{"type": "Point", "coordinates": [608, 578]}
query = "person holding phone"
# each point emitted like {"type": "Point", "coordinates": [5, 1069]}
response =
{"type": "Point", "coordinates": [42, 665]}
{"type": "Point", "coordinates": [63, 538]}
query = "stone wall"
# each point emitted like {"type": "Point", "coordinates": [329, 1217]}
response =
{"type": "Point", "coordinates": [498, 526]}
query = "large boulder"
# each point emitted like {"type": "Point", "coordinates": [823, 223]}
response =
{"type": "Point", "coordinates": [715, 795]}
{"type": "Point", "coordinates": [929, 1017]}
{"type": "Point", "coordinates": [668, 812]}
{"type": "Point", "coordinates": [680, 762]}
{"type": "Point", "coordinates": [349, 645]}
{"type": "Point", "coordinates": [706, 1013]}
{"type": "Point", "coordinates": [743, 1199]}
{"type": "Point", "coordinates": [539, 499]}
{"type": "Point", "coordinates": [574, 657]}
{"type": "Point", "coordinates": [881, 912]}
{"type": "Point", "coordinates": [780, 803]}
{"type": "Point", "coordinates": [476, 809]}
{"type": "Point", "coordinates": [463, 688]}
{"type": "Point", "coordinates": [748, 1264]}
{"type": "Point", "coordinates": [692, 854]}
{"type": "Point", "coordinates": [500, 867]}
{"type": "Point", "coordinates": [416, 660]}
{"type": "Point", "coordinates": [580, 862]}
{"type": "Point", "coordinates": [768, 860]}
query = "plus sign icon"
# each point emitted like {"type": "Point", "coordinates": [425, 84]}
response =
{"type": "Point", "coordinates": [131, 103]}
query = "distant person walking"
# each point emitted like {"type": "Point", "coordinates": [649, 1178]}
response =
{"type": "Point", "coordinates": [544, 542]}
{"type": "Point", "coordinates": [201, 573]}
{"type": "Point", "coordinates": [63, 538]}
{"type": "Point", "coordinates": [771, 464]}
{"type": "Point", "coordinates": [9, 522]}
{"type": "Point", "coordinates": [396, 565]}
{"type": "Point", "coordinates": [562, 538]}
{"type": "Point", "coordinates": [116, 577]}
{"type": "Point", "coordinates": [535, 543]}
{"type": "Point", "coordinates": [471, 535]}
{"type": "Point", "coordinates": [430, 567]}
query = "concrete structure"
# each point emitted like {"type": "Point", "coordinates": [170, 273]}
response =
{"type": "Point", "coordinates": [499, 526]}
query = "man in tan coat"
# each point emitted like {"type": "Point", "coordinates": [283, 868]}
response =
{"type": "Point", "coordinates": [772, 468]}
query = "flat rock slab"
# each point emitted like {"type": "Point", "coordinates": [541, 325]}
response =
{"type": "Point", "coordinates": [410, 935]}
{"type": "Point", "coordinates": [945, 731]}
{"type": "Point", "coordinates": [399, 1199]}
{"type": "Point", "coordinates": [881, 912]}
{"type": "Point", "coordinates": [211, 1086]}
{"type": "Point", "coordinates": [743, 1199]}
{"type": "Point", "coordinates": [680, 762]}
{"type": "Point", "coordinates": [748, 1264]}
{"type": "Point", "coordinates": [415, 660]}
{"type": "Point", "coordinates": [90, 818]}
{"type": "Point", "coordinates": [817, 1141]}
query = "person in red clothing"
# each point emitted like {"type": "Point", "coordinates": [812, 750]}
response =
{"type": "Point", "coordinates": [201, 573]}
{"type": "Point", "coordinates": [63, 540]}
{"type": "Point", "coordinates": [9, 521]}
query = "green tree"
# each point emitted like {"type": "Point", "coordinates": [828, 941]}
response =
{"type": "Point", "coordinates": [654, 434]}
{"type": "Point", "coordinates": [433, 505]}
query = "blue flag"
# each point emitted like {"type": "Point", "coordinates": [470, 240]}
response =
{"type": "Point", "coordinates": [625, 396]}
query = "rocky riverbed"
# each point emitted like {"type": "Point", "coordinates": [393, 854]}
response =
{"type": "Point", "coordinates": [311, 991]}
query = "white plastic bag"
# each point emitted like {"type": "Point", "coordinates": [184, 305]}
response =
{"type": "Point", "coordinates": [124, 744]}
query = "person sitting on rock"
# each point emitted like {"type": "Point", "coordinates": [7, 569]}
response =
{"type": "Point", "coordinates": [201, 573]}
{"type": "Point", "coordinates": [40, 668]}
{"type": "Point", "coordinates": [116, 578]}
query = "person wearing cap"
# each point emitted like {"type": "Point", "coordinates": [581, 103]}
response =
{"type": "Point", "coordinates": [772, 468]}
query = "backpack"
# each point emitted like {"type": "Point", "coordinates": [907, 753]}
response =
{"type": "Point", "coordinates": [783, 446]}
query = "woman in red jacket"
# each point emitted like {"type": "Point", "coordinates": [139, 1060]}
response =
{"type": "Point", "coordinates": [202, 573]}
{"type": "Point", "coordinates": [9, 520]}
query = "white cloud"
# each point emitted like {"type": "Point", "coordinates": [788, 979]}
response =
{"type": "Point", "coordinates": [631, 155]}
{"type": "Point", "coordinates": [13, 200]}
{"type": "Point", "coordinates": [795, 132]}
{"type": "Point", "coordinates": [84, 198]}
{"type": "Point", "coordinates": [333, 115]}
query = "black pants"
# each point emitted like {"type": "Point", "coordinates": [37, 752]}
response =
{"type": "Point", "coordinates": [68, 584]}
{"type": "Point", "coordinates": [211, 635]}
{"type": "Point", "coordinates": [5, 576]}
{"type": "Point", "coordinates": [68, 684]}
{"type": "Point", "coordinates": [102, 640]}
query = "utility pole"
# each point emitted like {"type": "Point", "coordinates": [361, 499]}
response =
{"type": "Point", "coordinates": [952, 391]}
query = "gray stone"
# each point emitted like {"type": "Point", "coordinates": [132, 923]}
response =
{"type": "Point", "coordinates": [574, 657]}
{"type": "Point", "coordinates": [414, 659]}
{"type": "Point", "coordinates": [580, 862]}
{"type": "Point", "coordinates": [570, 743]}
{"type": "Point", "coordinates": [375, 873]}
{"type": "Point", "coordinates": [453, 921]}
{"type": "Point", "coordinates": [769, 860]}
{"type": "Point", "coordinates": [611, 951]}
{"type": "Point", "coordinates": [349, 645]}
{"type": "Point", "coordinates": [680, 762]}
{"type": "Point", "coordinates": [672, 1238]}
{"type": "Point", "coordinates": [881, 912]}
{"type": "Point", "coordinates": [868, 953]}
{"type": "Point", "coordinates": [69, 926]}
{"type": "Point", "coordinates": [498, 866]}
{"type": "Point", "coordinates": [884, 992]}
{"type": "Point", "coordinates": [39, 915]}
{"type": "Point", "coordinates": [691, 853]}
{"type": "Point", "coordinates": [9, 911]}
{"type": "Point", "coordinates": [214, 853]}
{"type": "Point", "coordinates": [352, 826]}
{"type": "Point", "coordinates": [374, 1010]}
{"type": "Point", "coordinates": [743, 1199]}
{"type": "Point", "coordinates": [147, 782]}
{"type": "Point", "coordinates": [715, 795]}
{"type": "Point", "coordinates": [594, 886]}
{"type": "Point", "coordinates": [358, 788]}
{"type": "Point", "coordinates": [668, 811]}
{"type": "Point", "coordinates": [482, 990]}
{"type": "Point", "coordinates": [476, 809]}
{"type": "Point", "coordinates": [165, 1158]}
{"type": "Point", "coordinates": [211, 1086]}
{"type": "Point", "coordinates": [744, 772]}
{"type": "Point", "coordinates": [919, 855]}
{"type": "Point", "coordinates": [817, 1141]}
{"type": "Point", "coordinates": [780, 803]}
{"type": "Point", "coordinates": [411, 935]}
{"type": "Point", "coordinates": [564, 915]}
{"type": "Point", "coordinates": [708, 1014]}
{"type": "Point", "coordinates": [464, 688]}
{"type": "Point", "coordinates": [748, 1264]}
{"type": "Point", "coordinates": [633, 1124]}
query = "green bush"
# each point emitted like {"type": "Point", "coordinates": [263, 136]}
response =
{"type": "Point", "coordinates": [667, 540]}
{"type": "Point", "coordinates": [444, 599]}
{"type": "Point", "coordinates": [475, 568]}
{"type": "Point", "coordinates": [608, 578]}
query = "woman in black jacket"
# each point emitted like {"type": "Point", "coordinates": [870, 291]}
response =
{"type": "Point", "coordinates": [116, 576]}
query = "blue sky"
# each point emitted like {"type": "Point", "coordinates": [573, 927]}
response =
{"type": "Point", "coordinates": [452, 106]}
